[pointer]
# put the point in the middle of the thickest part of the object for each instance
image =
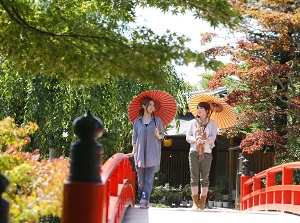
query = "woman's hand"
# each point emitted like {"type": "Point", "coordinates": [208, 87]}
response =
{"type": "Point", "coordinates": [157, 133]}
{"type": "Point", "coordinates": [129, 155]}
{"type": "Point", "coordinates": [198, 137]}
{"type": "Point", "coordinates": [200, 141]}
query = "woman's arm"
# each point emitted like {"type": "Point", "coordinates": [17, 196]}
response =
{"type": "Point", "coordinates": [159, 130]}
{"type": "Point", "coordinates": [213, 130]}
{"type": "Point", "coordinates": [190, 135]}
{"type": "Point", "coordinates": [134, 139]}
{"type": "Point", "coordinates": [133, 151]}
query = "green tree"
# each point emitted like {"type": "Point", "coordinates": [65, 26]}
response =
{"type": "Point", "coordinates": [87, 42]}
{"type": "Point", "coordinates": [54, 106]}
{"type": "Point", "coordinates": [110, 102]}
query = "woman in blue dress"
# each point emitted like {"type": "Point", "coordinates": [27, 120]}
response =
{"type": "Point", "coordinates": [146, 140]}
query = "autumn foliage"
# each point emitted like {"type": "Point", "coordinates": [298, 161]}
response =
{"type": "Point", "coordinates": [257, 140]}
{"type": "Point", "coordinates": [36, 186]}
{"type": "Point", "coordinates": [265, 66]}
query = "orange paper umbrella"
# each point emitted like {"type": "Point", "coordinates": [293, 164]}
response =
{"type": "Point", "coordinates": [165, 106]}
{"type": "Point", "coordinates": [222, 113]}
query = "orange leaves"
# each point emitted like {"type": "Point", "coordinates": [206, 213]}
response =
{"type": "Point", "coordinates": [215, 82]}
{"type": "Point", "coordinates": [14, 136]}
{"type": "Point", "coordinates": [235, 98]}
{"type": "Point", "coordinates": [258, 140]}
{"type": "Point", "coordinates": [242, 44]}
{"type": "Point", "coordinates": [296, 101]}
{"type": "Point", "coordinates": [34, 185]}
{"type": "Point", "coordinates": [278, 21]}
{"type": "Point", "coordinates": [281, 69]}
{"type": "Point", "coordinates": [265, 61]}
{"type": "Point", "coordinates": [207, 37]}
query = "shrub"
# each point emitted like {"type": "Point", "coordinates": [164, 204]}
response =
{"type": "Point", "coordinates": [36, 186]}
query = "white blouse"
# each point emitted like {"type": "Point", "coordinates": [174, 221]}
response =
{"type": "Point", "coordinates": [211, 135]}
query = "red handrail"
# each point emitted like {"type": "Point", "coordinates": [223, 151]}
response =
{"type": "Point", "coordinates": [272, 196]}
{"type": "Point", "coordinates": [104, 202]}
{"type": "Point", "coordinates": [119, 179]}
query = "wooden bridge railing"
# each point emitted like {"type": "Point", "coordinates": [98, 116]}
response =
{"type": "Point", "coordinates": [119, 180]}
{"type": "Point", "coordinates": [263, 192]}
{"type": "Point", "coordinates": [94, 193]}
{"type": "Point", "coordinates": [104, 202]}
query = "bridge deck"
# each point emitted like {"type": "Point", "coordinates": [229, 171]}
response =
{"type": "Point", "coordinates": [179, 215]}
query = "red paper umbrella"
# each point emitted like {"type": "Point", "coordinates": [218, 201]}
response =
{"type": "Point", "coordinates": [222, 113]}
{"type": "Point", "coordinates": [165, 106]}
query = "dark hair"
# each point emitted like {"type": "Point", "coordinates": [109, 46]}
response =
{"type": "Point", "coordinates": [146, 102]}
{"type": "Point", "coordinates": [204, 105]}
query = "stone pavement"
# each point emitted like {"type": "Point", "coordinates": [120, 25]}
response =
{"type": "Point", "coordinates": [180, 215]}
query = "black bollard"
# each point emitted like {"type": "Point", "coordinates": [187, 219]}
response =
{"type": "Point", "coordinates": [245, 168]}
{"type": "Point", "coordinates": [86, 153]}
{"type": "Point", "coordinates": [4, 204]}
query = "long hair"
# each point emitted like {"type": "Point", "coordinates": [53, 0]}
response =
{"type": "Point", "coordinates": [145, 102]}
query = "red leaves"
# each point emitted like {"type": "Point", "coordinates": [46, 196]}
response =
{"type": "Point", "coordinates": [215, 82]}
{"type": "Point", "coordinates": [238, 97]}
{"type": "Point", "coordinates": [258, 140]}
{"type": "Point", "coordinates": [266, 94]}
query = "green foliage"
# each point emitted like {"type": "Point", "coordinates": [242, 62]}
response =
{"type": "Point", "coordinates": [12, 135]}
{"type": "Point", "coordinates": [159, 193]}
{"type": "Point", "coordinates": [187, 192]}
{"type": "Point", "coordinates": [54, 106]}
{"type": "Point", "coordinates": [291, 154]}
{"type": "Point", "coordinates": [35, 187]}
{"type": "Point", "coordinates": [87, 42]}
{"type": "Point", "coordinates": [216, 12]}
{"type": "Point", "coordinates": [166, 195]}
{"type": "Point", "coordinates": [218, 191]}
{"type": "Point", "coordinates": [7, 162]}
{"type": "Point", "coordinates": [49, 219]}
{"type": "Point", "coordinates": [205, 78]}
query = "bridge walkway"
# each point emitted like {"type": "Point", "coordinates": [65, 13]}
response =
{"type": "Point", "coordinates": [180, 215]}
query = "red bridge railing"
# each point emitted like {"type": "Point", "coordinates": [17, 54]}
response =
{"type": "Point", "coordinates": [263, 192]}
{"type": "Point", "coordinates": [94, 193]}
{"type": "Point", "coordinates": [119, 182]}
{"type": "Point", "coordinates": [104, 202]}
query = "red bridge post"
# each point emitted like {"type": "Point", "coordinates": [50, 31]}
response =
{"type": "Point", "coordinates": [84, 196]}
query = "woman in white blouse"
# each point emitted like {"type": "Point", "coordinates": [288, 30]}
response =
{"type": "Point", "coordinates": [201, 135]}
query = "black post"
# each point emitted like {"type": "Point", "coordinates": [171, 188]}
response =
{"type": "Point", "coordinates": [4, 204]}
{"type": "Point", "coordinates": [86, 153]}
{"type": "Point", "coordinates": [245, 168]}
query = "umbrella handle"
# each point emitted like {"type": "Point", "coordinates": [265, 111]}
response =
{"type": "Point", "coordinates": [154, 121]}
{"type": "Point", "coordinates": [156, 127]}
{"type": "Point", "coordinates": [157, 133]}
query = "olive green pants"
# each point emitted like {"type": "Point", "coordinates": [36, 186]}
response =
{"type": "Point", "coordinates": [199, 170]}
